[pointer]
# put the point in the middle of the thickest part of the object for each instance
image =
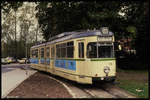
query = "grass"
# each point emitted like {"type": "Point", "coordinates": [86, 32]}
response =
{"type": "Point", "coordinates": [134, 81]}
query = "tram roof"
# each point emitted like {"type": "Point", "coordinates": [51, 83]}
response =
{"type": "Point", "coordinates": [72, 35]}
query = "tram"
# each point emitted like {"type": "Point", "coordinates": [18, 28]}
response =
{"type": "Point", "coordinates": [81, 56]}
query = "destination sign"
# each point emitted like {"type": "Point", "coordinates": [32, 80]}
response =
{"type": "Point", "coordinates": [105, 39]}
{"type": "Point", "coordinates": [105, 30]}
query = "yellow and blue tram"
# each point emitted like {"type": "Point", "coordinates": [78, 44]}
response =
{"type": "Point", "coordinates": [81, 56]}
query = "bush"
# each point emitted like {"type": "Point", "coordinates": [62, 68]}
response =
{"type": "Point", "coordinates": [129, 61]}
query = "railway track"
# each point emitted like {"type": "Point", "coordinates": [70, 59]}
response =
{"type": "Point", "coordinates": [102, 90]}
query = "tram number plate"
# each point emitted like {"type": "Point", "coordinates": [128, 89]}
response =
{"type": "Point", "coordinates": [104, 38]}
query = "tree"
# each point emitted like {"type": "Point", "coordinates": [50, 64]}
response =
{"type": "Point", "coordinates": [26, 23]}
{"type": "Point", "coordinates": [7, 6]}
{"type": "Point", "coordinates": [136, 13]}
{"type": "Point", "coordinates": [57, 17]}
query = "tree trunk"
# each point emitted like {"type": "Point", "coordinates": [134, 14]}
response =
{"type": "Point", "coordinates": [37, 33]}
{"type": "Point", "coordinates": [15, 38]}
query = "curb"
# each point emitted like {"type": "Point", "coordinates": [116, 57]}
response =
{"type": "Point", "coordinates": [68, 89]}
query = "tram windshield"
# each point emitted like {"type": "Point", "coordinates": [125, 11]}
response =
{"type": "Point", "coordinates": [100, 50]}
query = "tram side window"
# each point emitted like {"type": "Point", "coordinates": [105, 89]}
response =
{"type": "Point", "coordinates": [47, 52]}
{"type": "Point", "coordinates": [81, 50]}
{"type": "Point", "coordinates": [32, 53]}
{"type": "Point", "coordinates": [58, 52]}
{"type": "Point", "coordinates": [70, 49]}
{"type": "Point", "coordinates": [92, 50]}
{"type": "Point", "coordinates": [42, 52]}
{"type": "Point", "coordinates": [36, 53]}
{"type": "Point", "coordinates": [63, 50]}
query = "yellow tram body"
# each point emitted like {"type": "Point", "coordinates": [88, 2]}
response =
{"type": "Point", "coordinates": [83, 66]}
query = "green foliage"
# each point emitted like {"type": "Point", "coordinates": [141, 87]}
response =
{"type": "Point", "coordinates": [132, 29]}
{"type": "Point", "coordinates": [7, 6]}
{"type": "Point", "coordinates": [139, 89]}
{"type": "Point", "coordinates": [134, 81]}
{"type": "Point", "coordinates": [68, 16]}
{"type": "Point", "coordinates": [15, 40]}
{"type": "Point", "coordinates": [9, 49]}
{"type": "Point", "coordinates": [137, 16]}
{"type": "Point", "coordinates": [57, 17]}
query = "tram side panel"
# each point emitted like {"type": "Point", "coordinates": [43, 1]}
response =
{"type": "Point", "coordinates": [95, 68]}
{"type": "Point", "coordinates": [34, 61]}
{"type": "Point", "coordinates": [65, 68]}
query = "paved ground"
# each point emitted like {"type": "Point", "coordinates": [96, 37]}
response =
{"type": "Point", "coordinates": [16, 83]}
{"type": "Point", "coordinates": [33, 87]}
{"type": "Point", "coordinates": [12, 76]}
{"type": "Point", "coordinates": [40, 85]}
{"type": "Point", "coordinates": [10, 67]}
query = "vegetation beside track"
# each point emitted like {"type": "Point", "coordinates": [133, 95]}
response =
{"type": "Point", "coordinates": [134, 81]}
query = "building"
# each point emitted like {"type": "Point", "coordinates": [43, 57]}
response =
{"type": "Point", "coordinates": [126, 45]}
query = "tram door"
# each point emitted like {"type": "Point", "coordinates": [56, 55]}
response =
{"type": "Point", "coordinates": [52, 59]}
{"type": "Point", "coordinates": [80, 56]}
{"type": "Point", "coordinates": [43, 58]}
{"type": "Point", "coordinates": [47, 58]}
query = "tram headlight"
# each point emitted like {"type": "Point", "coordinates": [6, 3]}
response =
{"type": "Point", "coordinates": [106, 69]}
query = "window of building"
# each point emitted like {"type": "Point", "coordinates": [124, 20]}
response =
{"type": "Point", "coordinates": [81, 50]}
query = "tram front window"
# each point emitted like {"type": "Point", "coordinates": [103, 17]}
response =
{"type": "Point", "coordinates": [99, 50]}
{"type": "Point", "coordinates": [105, 51]}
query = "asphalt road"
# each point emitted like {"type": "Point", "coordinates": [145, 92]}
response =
{"type": "Point", "coordinates": [11, 67]}
{"type": "Point", "coordinates": [13, 75]}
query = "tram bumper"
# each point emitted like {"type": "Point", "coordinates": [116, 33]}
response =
{"type": "Point", "coordinates": [105, 79]}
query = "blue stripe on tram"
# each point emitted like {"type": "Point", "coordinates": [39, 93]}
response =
{"type": "Point", "coordinates": [34, 60]}
{"type": "Point", "coordinates": [47, 61]}
{"type": "Point", "coordinates": [67, 64]}
{"type": "Point", "coordinates": [42, 60]}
